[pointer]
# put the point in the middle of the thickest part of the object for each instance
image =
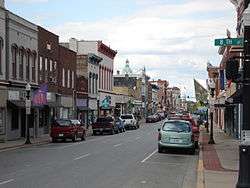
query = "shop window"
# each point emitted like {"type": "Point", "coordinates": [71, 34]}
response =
{"type": "Point", "coordinates": [14, 120]}
{"type": "Point", "coordinates": [2, 128]}
{"type": "Point", "coordinates": [1, 52]}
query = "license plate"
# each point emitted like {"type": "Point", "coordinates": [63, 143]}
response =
{"type": "Point", "coordinates": [60, 135]}
{"type": "Point", "coordinates": [175, 141]}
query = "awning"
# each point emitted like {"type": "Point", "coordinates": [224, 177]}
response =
{"type": "Point", "coordinates": [16, 104]}
{"type": "Point", "coordinates": [235, 98]}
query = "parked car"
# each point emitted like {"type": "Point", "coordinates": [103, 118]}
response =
{"type": "Point", "coordinates": [150, 119]}
{"type": "Point", "coordinates": [129, 121]}
{"type": "Point", "coordinates": [195, 127]}
{"type": "Point", "coordinates": [120, 124]}
{"type": "Point", "coordinates": [157, 117]}
{"type": "Point", "coordinates": [67, 129]}
{"type": "Point", "coordinates": [105, 125]}
{"type": "Point", "coordinates": [162, 115]}
{"type": "Point", "coordinates": [176, 134]}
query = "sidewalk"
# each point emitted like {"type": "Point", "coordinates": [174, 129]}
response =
{"type": "Point", "coordinates": [35, 141]}
{"type": "Point", "coordinates": [220, 161]}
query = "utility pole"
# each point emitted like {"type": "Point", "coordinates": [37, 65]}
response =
{"type": "Point", "coordinates": [244, 148]}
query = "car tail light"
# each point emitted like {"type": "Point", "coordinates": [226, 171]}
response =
{"type": "Point", "coordinates": [192, 138]}
{"type": "Point", "coordinates": [159, 136]}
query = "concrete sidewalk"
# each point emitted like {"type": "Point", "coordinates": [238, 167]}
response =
{"type": "Point", "coordinates": [8, 145]}
{"type": "Point", "coordinates": [219, 161]}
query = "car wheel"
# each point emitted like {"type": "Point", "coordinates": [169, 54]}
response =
{"type": "Point", "coordinates": [83, 137]}
{"type": "Point", "coordinates": [54, 140]}
{"type": "Point", "coordinates": [196, 144]}
{"type": "Point", "coordinates": [74, 138]}
{"type": "Point", "coordinates": [192, 151]}
{"type": "Point", "coordinates": [160, 149]}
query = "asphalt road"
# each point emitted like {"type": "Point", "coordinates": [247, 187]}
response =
{"type": "Point", "coordinates": [127, 160]}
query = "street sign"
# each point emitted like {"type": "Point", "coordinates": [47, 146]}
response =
{"type": "Point", "coordinates": [229, 42]}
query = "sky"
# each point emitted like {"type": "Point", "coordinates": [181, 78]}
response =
{"type": "Point", "coordinates": [173, 39]}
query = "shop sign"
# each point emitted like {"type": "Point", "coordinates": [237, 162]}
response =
{"type": "Point", "coordinates": [81, 102]}
{"type": "Point", "coordinates": [13, 95]}
{"type": "Point", "coordinates": [40, 96]}
{"type": "Point", "coordinates": [106, 102]}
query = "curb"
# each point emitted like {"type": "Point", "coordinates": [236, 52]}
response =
{"type": "Point", "coordinates": [9, 148]}
{"type": "Point", "coordinates": [200, 168]}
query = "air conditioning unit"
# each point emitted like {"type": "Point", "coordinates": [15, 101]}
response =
{"type": "Point", "coordinates": [52, 80]}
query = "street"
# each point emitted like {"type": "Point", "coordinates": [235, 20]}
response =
{"type": "Point", "coordinates": [127, 160]}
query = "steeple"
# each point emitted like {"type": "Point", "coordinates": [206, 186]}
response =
{"type": "Point", "coordinates": [127, 69]}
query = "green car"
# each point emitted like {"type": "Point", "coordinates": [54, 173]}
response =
{"type": "Point", "coordinates": [176, 134]}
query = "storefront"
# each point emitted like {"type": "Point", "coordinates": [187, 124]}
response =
{"type": "Point", "coordinates": [107, 104]}
{"type": "Point", "coordinates": [16, 116]}
{"type": "Point", "coordinates": [93, 110]}
{"type": "Point", "coordinates": [82, 110]}
{"type": "Point", "coordinates": [66, 107]}
{"type": "Point", "coordinates": [3, 109]}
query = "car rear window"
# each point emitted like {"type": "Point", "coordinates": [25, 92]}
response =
{"type": "Point", "coordinates": [126, 116]}
{"type": "Point", "coordinates": [176, 126]}
{"type": "Point", "coordinates": [106, 119]}
{"type": "Point", "coordinates": [63, 123]}
{"type": "Point", "coordinates": [75, 122]}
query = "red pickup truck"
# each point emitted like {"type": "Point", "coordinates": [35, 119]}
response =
{"type": "Point", "coordinates": [105, 125]}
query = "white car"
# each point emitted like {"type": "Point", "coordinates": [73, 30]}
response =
{"type": "Point", "coordinates": [129, 121]}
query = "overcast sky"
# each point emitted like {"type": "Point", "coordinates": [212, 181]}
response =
{"type": "Point", "coordinates": [173, 39]}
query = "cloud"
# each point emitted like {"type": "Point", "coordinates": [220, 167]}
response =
{"type": "Point", "coordinates": [29, 1]}
{"type": "Point", "coordinates": [174, 41]}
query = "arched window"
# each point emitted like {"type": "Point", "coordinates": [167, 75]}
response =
{"type": "Point", "coordinates": [28, 54]}
{"type": "Point", "coordinates": [21, 60]}
{"type": "Point", "coordinates": [14, 50]}
{"type": "Point", "coordinates": [90, 83]}
{"type": "Point", "coordinates": [33, 66]}
{"type": "Point", "coordinates": [1, 56]}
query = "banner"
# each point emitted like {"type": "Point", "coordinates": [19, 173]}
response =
{"type": "Point", "coordinates": [40, 96]}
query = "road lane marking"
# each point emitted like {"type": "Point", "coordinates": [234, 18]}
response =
{"type": "Point", "coordinates": [7, 181]}
{"type": "Point", "coordinates": [137, 138]}
{"type": "Point", "coordinates": [82, 156]}
{"type": "Point", "coordinates": [117, 145]}
{"type": "Point", "coordinates": [144, 160]}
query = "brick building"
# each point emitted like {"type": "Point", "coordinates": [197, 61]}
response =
{"type": "Point", "coordinates": [67, 82]}
{"type": "Point", "coordinates": [48, 53]}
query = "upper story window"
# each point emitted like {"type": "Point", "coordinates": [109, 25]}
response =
{"type": "Point", "coordinates": [14, 50]}
{"type": "Point", "coordinates": [68, 81]}
{"type": "Point", "coordinates": [1, 56]}
{"type": "Point", "coordinates": [33, 66]}
{"type": "Point", "coordinates": [28, 54]}
{"type": "Point", "coordinates": [73, 79]}
{"type": "Point", "coordinates": [50, 65]}
{"type": "Point", "coordinates": [21, 61]}
{"type": "Point", "coordinates": [63, 77]}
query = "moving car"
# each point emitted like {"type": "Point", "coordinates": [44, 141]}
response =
{"type": "Point", "coordinates": [176, 134]}
{"type": "Point", "coordinates": [67, 129]}
{"type": "Point", "coordinates": [105, 125]}
{"type": "Point", "coordinates": [120, 124]}
{"type": "Point", "coordinates": [129, 121]}
{"type": "Point", "coordinates": [150, 119]}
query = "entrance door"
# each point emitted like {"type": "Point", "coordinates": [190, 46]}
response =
{"type": "Point", "coordinates": [23, 121]}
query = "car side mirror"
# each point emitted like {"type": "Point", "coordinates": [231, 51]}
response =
{"type": "Point", "coordinates": [159, 130]}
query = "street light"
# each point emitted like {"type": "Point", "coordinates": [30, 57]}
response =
{"type": "Point", "coordinates": [211, 85]}
{"type": "Point", "coordinates": [28, 106]}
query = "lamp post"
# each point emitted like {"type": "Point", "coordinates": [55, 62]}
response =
{"type": "Point", "coordinates": [211, 85]}
{"type": "Point", "coordinates": [28, 106]}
